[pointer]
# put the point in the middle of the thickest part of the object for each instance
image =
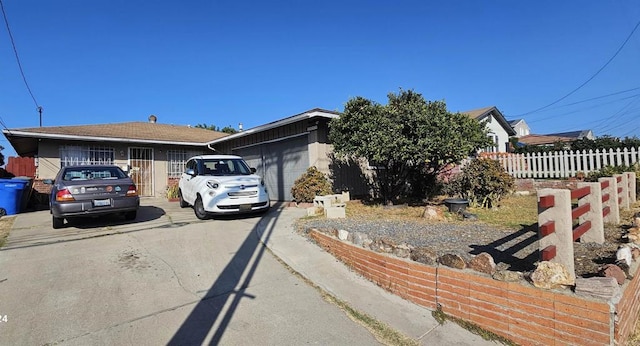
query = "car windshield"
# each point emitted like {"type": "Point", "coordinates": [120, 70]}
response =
{"type": "Point", "coordinates": [219, 167]}
{"type": "Point", "coordinates": [93, 173]}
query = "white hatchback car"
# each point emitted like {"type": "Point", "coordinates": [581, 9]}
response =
{"type": "Point", "coordinates": [221, 184]}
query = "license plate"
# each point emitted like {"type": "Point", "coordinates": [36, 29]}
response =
{"type": "Point", "coordinates": [101, 202]}
{"type": "Point", "coordinates": [245, 207]}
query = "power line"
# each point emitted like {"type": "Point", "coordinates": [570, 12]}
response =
{"type": "Point", "coordinates": [590, 78]}
{"type": "Point", "coordinates": [15, 51]}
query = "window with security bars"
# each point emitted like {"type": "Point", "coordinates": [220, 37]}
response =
{"type": "Point", "coordinates": [176, 161]}
{"type": "Point", "coordinates": [73, 155]}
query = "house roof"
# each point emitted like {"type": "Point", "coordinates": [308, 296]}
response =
{"type": "Point", "coordinates": [515, 122]}
{"type": "Point", "coordinates": [25, 140]}
{"type": "Point", "coordinates": [572, 134]}
{"type": "Point", "coordinates": [313, 113]}
{"type": "Point", "coordinates": [480, 113]}
{"type": "Point", "coordinates": [543, 139]}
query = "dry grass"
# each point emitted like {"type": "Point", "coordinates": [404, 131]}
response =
{"type": "Point", "coordinates": [5, 226]}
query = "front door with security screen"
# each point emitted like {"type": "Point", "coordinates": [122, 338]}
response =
{"type": "Point", "coordinates": [141, 172]}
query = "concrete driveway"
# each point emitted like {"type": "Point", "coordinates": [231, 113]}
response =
{"type": "Point", "coordinates": [166, 278]}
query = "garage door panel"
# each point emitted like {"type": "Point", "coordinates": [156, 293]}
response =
{"type": "Point", "coordinates": [279, 163]}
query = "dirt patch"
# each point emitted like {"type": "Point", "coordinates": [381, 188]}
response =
{"type": "Point", "coordinates": [5, 227]}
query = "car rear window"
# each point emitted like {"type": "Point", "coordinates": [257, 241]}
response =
{"type": "Point", "coordinates": [93, 173]}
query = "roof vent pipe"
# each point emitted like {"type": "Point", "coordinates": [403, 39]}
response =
{"type": "Point", "coordinates": [153, 119]}
{"type": "Point", "coordinates": [240, 127]}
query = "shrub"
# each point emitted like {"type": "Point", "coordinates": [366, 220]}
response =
{"type": "Point", "coordinates": [309, 185]}
{"type": "Point", "coordinates": [609, 171]}
{"type": "Point", "coordinates": [482, 181]}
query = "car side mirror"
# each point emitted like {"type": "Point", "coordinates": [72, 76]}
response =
{"type": "Point", "coordinates": [191, 172]}
{"type": "Point", "coordinates": [253, 170]}
{"type": "Point", "coordinates": [47, 181]}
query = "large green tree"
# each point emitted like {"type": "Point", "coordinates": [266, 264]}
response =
{"type": "Point", "coordinates": [227, 129]}
{"type": "Point", "coordinates": [410, 139]}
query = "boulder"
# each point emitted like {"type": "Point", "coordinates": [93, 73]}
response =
{"type": "Point", "coordinates": [359, 238]}
{"type": "Point", "coordinates": [507, 276]}
{"type": "Point", "coordinates": [343, 235]}
{"type": "Point", "coordinates": [453, 261]}
{"type": "Point", "coordinates": [433, 213]}
{"type": "Point", "coordinates": [424, 255]}
{"type": "Point", "coordinates": [635, 253]}
{"type": "Point", "coordinates": [483, 263]}
{"type": "Point", "coordinates": [385, 245]}
{"type": "Point", "coordinates": [550, 275]}
{"type": "Point", "coordinates": [624, 254]}
{"type": "Point", "coordinates": [402, 250]}
{"type": "Point", "coordinates": [613, 271]}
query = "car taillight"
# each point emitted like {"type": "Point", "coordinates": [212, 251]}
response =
{"type": "Point", "coordinates": [64, 196]}
{"type": "Point", "coordinates": [132, 191]}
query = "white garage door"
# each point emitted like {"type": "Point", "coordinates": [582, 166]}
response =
{"type": "Point", "coordinates": [279, 164]}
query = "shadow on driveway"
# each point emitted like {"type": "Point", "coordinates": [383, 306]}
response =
{"type": "Point", "coordinates": [228, 286]}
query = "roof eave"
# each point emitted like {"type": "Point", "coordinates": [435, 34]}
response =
{"type": "Point", "coordinates": [306, 115]}
{"type": "Point", "coordinates": [13, 133]}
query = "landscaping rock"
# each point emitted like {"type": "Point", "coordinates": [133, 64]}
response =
{"type": "Point", "coordinates": [606, 288]}
{"type": "Point", "coordinates": [635, 253]}
{"type": "Point", "coordinates": [613, 271]}
{"type": "Point", "coordinates": [507, 276]}
{"type": "Point", "coordinates": [359, 238]}
{"type": "Point", "coordinates": [433, 213]}
{"type": "Point", "coordinates": [623, 255]}
{"type": "Point", "coordinates": [424, 255]}
{"type": "Point", "coordinates": [385, 245]}
{"type": "Point", "coordinates": [453, 261]}
{"type": "Point", "coordinates": [402, 250]}
{"type": "Point", "coordinates": [343, 235]}
{"type": "Point", "coordinates": [483, 263]}
{"type": "Point", "coordinates": [550, 275]}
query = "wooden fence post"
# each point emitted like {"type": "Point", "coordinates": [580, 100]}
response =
{"type": "Point", "coordinates": [596, 233]}
{"type": "Point", "coordinates": [610, 199]}
{"type": "Point", "coordinates": [556, 227]}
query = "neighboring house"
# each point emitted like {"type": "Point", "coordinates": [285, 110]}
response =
{"type": "Point", "coordinates": [553, 138]}
{"type": "Point", "coordinates": [520, 127]}
{"type": "Point", "coordinates": [498, 126]}
{"type": "Point", "coordinates": [153, 153]}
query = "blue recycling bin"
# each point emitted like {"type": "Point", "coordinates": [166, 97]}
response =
{"type": "Point", "coordinates": [11, 191]}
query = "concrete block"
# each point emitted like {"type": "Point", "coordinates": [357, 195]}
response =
{"type": "Point", "coordinates": [323, 201]}
{"type": "Point", "coordinates": [312, 211]}
{"type": "Point", "coordinates": [335, 212]}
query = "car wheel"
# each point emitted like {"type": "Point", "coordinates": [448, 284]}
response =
{"type": "Point", "coordinates": [58, 222]}
{"type": "Point", "coordinates": [198, 208]}
{"type": "Point", "coordinates": [130, 215]}
{"type": "Point", "coordinates": [183, 203]}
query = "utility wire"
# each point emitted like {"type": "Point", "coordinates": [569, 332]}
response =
{"type": "Point", "coordinates": [15, 51]}
{"type": "Point", "coordinates": [588, 80]}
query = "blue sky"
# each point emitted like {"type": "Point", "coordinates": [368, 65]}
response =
{"type": "Point", "coordinates": [226, 62]}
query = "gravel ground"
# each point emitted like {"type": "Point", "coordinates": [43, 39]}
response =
{"type": "Point", "coordinates": [515, 250]}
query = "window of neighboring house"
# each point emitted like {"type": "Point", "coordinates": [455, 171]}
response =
{"type": "Point", "coordinates": [176, 161]}
{"type": "Point", "coordinates": [73, 155]}
{"type": "Point", "coordinates": [494, 148]}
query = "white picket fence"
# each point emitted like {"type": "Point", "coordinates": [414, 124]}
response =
{"type": "Point", "coordinates": [563, 164]}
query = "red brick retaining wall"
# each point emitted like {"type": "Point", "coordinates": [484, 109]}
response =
{"type": "Point", "coordinates": [519, 312]}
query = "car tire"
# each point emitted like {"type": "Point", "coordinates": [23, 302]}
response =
{"type": "Point", "coordinates": [183, 203]}
{"type": "Point", "coordinates": [130, 215]}
{"type": "Point", "coordinates": [57, 222]}
{"type": "Point", "coordinates": [198, 209]}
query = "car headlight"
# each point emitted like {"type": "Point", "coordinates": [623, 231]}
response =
{"type": "Point", "coordinates": [212, 184]}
